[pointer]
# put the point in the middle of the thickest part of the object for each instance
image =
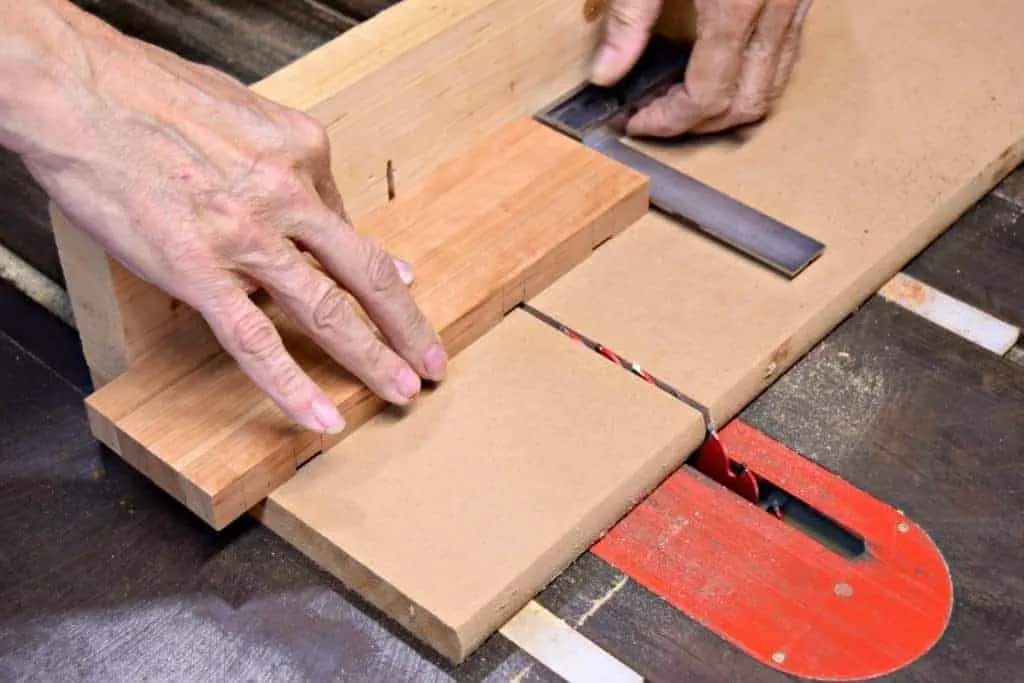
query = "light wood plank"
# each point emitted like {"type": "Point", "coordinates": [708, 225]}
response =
{"type": "Point", "coordinates": [485, 232]}
{"type": "Point", "coordinates": [452, 516]}
{"type": "Point", "coordinates": [412, 88]}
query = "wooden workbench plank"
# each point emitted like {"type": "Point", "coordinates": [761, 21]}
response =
{"type": "Point", "coordinates": [489, 230]}
{"type": "Point", "coordinates": [842, 159]}
{"type": "Point", "coordinates": [451, 517]}
{"type": "Point", "coordinates": [979, 260]}
{"type": "Point", "coordinates": [934, 425]}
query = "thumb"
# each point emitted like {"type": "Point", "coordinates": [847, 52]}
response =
{"type": "Point", "coordinates": [627, 28]}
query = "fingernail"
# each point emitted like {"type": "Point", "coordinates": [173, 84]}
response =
{"type": "Point", "coordinates": [436, 361]}
{"type": "Point", "coordinates": [408, 383]}
{"type": "Point", "coordinates": [328, 416]}
{"type": "Point", "coordinates": [404, 271]}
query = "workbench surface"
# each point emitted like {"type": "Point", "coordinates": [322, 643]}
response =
{"type": "Point", "coordinates": [104, 577]}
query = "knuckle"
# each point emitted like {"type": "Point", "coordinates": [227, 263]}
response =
{"type": "Point", "coordinates": [288, 380]}
{"type": "Point", "coordinates": [749, 111]}
{"type": "Point", "coordinates": [256, 336]}
{"type": "Point", "coordinates": [242, 237]}
{"type": "Point", "coordinates": [381, 271]}
{"type": "Point", "coordinates": [309, 136]}
{"type": "Point", "coordinates": [332, 309]}
{"type": "Point", "coordinates": [281, 183]}
{"type": "Point", "coordinates": [714, 104]}
{"type": "Point", "coordinates": [415, 320]}
{"type": "Point", "coordinates": [374, 356]}
{"type": "Point", "coordinates": [628, 14]}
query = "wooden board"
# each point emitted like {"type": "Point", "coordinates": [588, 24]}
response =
{"type": "Point", "coordinates": [409, 90]}
{"type": "Point", "coordinates": [485, 232]}
{"type": "Point", "coordinates": [453, 516]}
{"type": "Point", "coordinates": [869, 152]}
{"type": "Point", "coordinates": [711, 322]}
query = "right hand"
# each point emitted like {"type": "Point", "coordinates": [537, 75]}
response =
{"type": "Point", "coordinates": [203, 188]}
{"type": "Point", "coordinates": [742, 60]}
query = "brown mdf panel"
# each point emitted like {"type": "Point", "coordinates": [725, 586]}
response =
{"type": "Point", "coordinates": [897, 120]}
{"type": "Point", "coordinates": [402, 93]}
{"type": "Point", "coordinates": [453, 515]}
{"type": "Point", "coordinates": [484, 233]}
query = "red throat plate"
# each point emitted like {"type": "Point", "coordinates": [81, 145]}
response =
{"type": "Point", "coordinates": [774, 591]}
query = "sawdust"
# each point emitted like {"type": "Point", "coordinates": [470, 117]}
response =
{"type": "Point", "coordinates": [848, 391]}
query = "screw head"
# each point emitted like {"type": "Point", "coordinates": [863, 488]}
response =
{"type": "Point", "coordinates": [903, 527]}
{"type": "Point", "coordinates": [779, 657]}
{"type": "Point", "coordinates": [844, 590]}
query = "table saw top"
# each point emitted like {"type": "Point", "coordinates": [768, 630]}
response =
{"type": "Point", "coordinates": [104, 576]}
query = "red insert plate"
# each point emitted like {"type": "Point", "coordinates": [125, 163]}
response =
{"type": "Point", "coordinates": [776, 592]}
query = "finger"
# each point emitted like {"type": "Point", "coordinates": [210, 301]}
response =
{"type": "Point", "coordinates": [328, 192]}
{"type": "Point", "coordinates": [249, 336]}
{"type": "Point", "coordinates": [627, 28]}
{"type": "Point", "coordinates": [790, 49]}
{"type": "Point", "coordinates": [368, 272]}
{"type": "Point", "coordinates": [670, 114]}
{"type": "Point", "coordinates": [754, 93]}
{"type": "Point", "coordinates": [312, 299]}
{"type": "Point", "coordinates": [712, 75]}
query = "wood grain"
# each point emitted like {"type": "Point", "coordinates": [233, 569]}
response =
{"type": "Point", "coordinates": [486, 232]}
{"type": "Point", "coordinates": [449, 518]}
{"type": "Point", "coordinates": [409, 90]}
{"type": "Point", "coordinates": [718, 326]}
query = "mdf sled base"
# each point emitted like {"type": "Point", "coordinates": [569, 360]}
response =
{"type": "Point", "coordinates": [868, 151]}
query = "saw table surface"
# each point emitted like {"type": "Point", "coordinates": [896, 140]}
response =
{"type": "Point", "coordinates": [104, 577]}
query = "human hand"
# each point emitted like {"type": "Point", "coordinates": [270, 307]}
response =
{"type": "Point", "coordinates": [208, 191]}
{"type": "Point", "coordinates": [741, 62]}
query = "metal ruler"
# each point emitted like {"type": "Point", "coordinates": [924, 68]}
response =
{"type": "Point", "coordinates": [594, 115]}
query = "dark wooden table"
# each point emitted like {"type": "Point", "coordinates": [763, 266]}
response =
{"type": "Point", "coordinates": [103, 577]}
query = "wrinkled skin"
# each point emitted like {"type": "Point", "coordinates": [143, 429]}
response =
{"type": "Point", "coordinates": [741, 62]}
{"type": "Point", "coordinates": [208, 191]}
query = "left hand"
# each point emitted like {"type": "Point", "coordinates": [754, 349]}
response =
{"type": "Point", "coordinates": [741, 62]}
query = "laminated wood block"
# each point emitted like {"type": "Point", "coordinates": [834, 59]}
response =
{"type": "Point", "coordinates": [483, 233]}
{"type": "Point", "coordinates": [450, 516]}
